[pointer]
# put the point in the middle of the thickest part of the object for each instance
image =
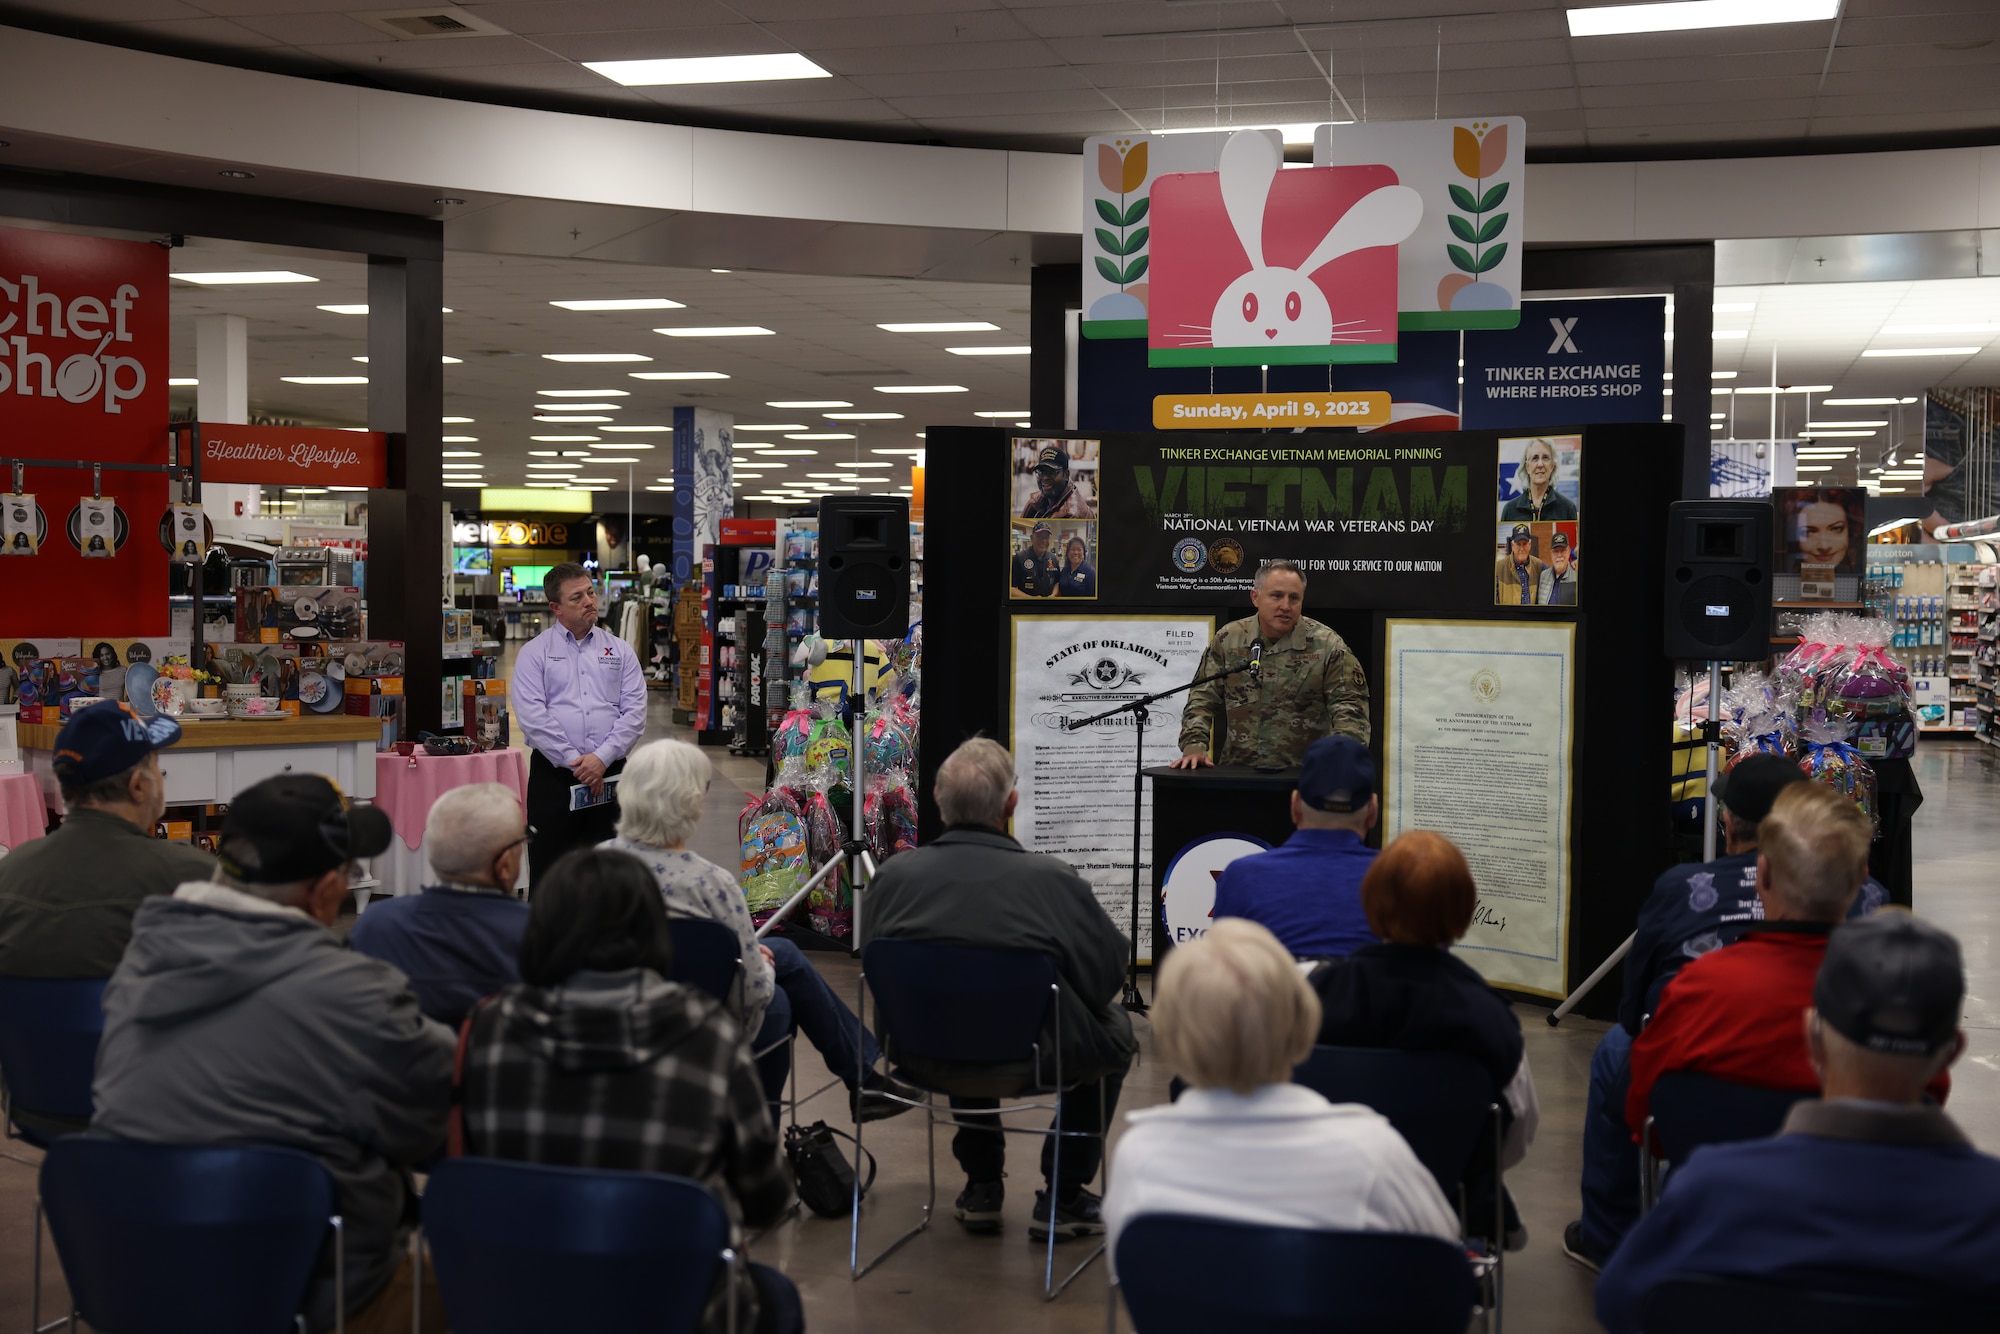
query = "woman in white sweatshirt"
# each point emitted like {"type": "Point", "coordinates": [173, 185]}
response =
{"type": "Point", "coordinates": [1244, 1143]}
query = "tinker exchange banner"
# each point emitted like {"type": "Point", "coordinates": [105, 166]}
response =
{"type": "Point", "coordinates": [1375, 521]}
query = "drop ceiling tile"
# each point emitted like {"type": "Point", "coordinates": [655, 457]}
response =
{"type": "Point", "coordinates": [999, 104]}
{"type": "Point", "coordinates": [533, 18]}
{"type": "Point", "coordinates": [957, 25]}
{"type": "Point", "coordinates": [777, 11]}
{"type": "Point", "coordinates": [1944, 30]}
{"type": "Point", "coordinates": [112, 11]}
{"type": "Point", "coordinates": [1703, 69]}
{"type": "Point", "coordinates": [776, 98]}
{"type": "Point", "coordinates": [314, 29]}
{"type": "Point", "coordinates": [214, 32]}
{"type": "Point", "coordinates": [449, 53]}
{"type": "Point", "coordinates": [1735, 92]}
{"type": "Point", "coordinates": [1763, 39]}
{"type": "Point", "coordinates": [932, 83]}
{"type": "Point", "coordinates": [1745, 116]}
{"type": "Point", "coordinates": [903, 59]}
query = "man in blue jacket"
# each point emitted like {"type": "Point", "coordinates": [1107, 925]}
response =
{"type": "Point", "coordinates": [1867, 1190]}
{"type": "Point", "coordinates": [1307, 891]}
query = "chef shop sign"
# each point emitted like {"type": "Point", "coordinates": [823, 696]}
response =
{"type": "Point", "coordinates": [58, 342]}
{"type": "Point", "coordinates": [293, 455]}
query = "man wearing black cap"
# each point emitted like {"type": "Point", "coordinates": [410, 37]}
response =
{"type": "Point", "coordinates": [1558, 587]}
{"type": "Point", "coordinates": [1867, 1188]}
{"type": "Point", "coordinates": [66, 901]}
{"type": "Point", "coordinates": [1694, 908]}
{"type": "Point", "coordinates": [1056, 494]}
{"type": "Point", "coordinates": [1035, 570]}
{"type": "Point", "coordinates": [1307, 892]}
{"type": "Point", "coordinates": [236, 1016]}
{"type": "Point", "coordinates": [1517, 574]}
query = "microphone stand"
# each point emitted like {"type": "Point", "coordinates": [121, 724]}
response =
{"type": "Point", "coordinates": [1140, 711]}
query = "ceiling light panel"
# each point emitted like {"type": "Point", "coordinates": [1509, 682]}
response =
{"type": "Point", "coordinates": [677, 375]}
{"type": "Point", "coordinates": [1688, 15]}
{"type": "Point", "coordinates": [622, 303]}
{"type": "Point", "coordinates": [917, 389]}
{"type": "Point", "coordinates": [707, 69]}
{"type": "Point", "coordinates": [942, 326]}
{"type": "Point", "coordinates": [720, 331]}
{"type": "Point", "coordinates": [1014, 351]}
{"type": "Point", "coordinates": [578, 407]}
{"type": "Point", "coordinates": [583, 393]}
{"type": "Point", "coordinates": [862, 417]}
{"type": "Point", "coordinates": [324, 379]}
{"type": "Point", "coordinates": [807, 403]}
{"type": "Point", "coordinates": [594, 356]}
{"type": "Point", "coordinates": [245, 278]}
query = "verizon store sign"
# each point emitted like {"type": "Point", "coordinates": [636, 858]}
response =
{"type": "Point", "coordinates": [293, 455]}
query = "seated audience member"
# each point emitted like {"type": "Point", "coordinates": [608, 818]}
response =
{"type": "Point", "coordinates": [1867, 1189]}
{"type": "Point", "coordinates": [237, 1017]}
{"type": "Point", "coordinates": [1307, 892]}
{"type": "Point", "coordinates": [975, 886]}
{"type": "Point", "coordinates": [596, 1060]}
{"type": "Point", "coordinates": [1232, 1016]}
{"type": "Point", "coordinates": [1733, 1013]}
{"type": "Point", "coordinates": [1412, 994]}
{"type": "Point", "coordinates": [659, 802]}
{"type": "Point", "coordinates": [459, 939]}
{"type": "Point", "coordinates": [1694, 908]}
{"type": "Point", "coordinates": [66, 901]}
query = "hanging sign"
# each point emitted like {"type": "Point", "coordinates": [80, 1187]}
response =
{"type": "Point", "coordinates": [22, 525]}
{"type": "Point", "coordinates": [1209, 412]}
{"type": "Point", "coordinates": [1569, 363]}
{"type": "Point", "coordinates": [98, 527]}
{"type": "Point", "coordinates": [293, 455]}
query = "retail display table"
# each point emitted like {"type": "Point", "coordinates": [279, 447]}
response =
{"type": "Point", "coordinates": [407, 786]}
{"type": "Point", "coordinates": [217, 758]}
{"type": "Point", "coordinates": [24, 813]}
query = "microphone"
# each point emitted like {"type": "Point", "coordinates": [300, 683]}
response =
{"type": "Point", "coordinates": [1257, 659]}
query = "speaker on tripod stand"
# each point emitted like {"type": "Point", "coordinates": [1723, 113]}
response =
{"type": "Point", "coordinates": [1718, 571]}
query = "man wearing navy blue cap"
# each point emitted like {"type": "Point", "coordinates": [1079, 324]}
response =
{"type": "Point", "coordinates": [66, 901]}
{"type": "Point", "coordinates": [1307, 892]}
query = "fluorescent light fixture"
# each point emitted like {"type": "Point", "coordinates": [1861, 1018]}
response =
{"type": "Point", "coordinates": [541, 453]}
{"type": "Point", "coordinates": [1717, 416]}
{"type": "Point", "coordinates": [721, 331]}
{"type": "Point", "coordinates": [1836, 435]}
{"type": "Point", "coordinates": [1859, 402]}
{"type": "Point", "coordinates": [625, 444]}
{"type": "Point", "coordinates": [245, 277]}
{"type": "Point", "coordinates": [1721, 335]}
{"type": "Point", "coordinates": [623, 303]}
{"type": "Point", "coordinates": [1686, 15]}
{"type": "Point", "coordinates": [563, 439]}
{"type": "Point", "coordinates": [583, 393]}
{"type": "Point", "coordinates": [818, 435]}
{"type": "Point", "coordinates": [576, 453]}
{"type": "Point", "coordinates": [460, 453]}
{"type": "Point", "coordinates": [599, 458]}
{"type": "Point", "coordinates": [1292, 134]}
{"type": "Point", "coordinates": [557, 467]}
{"type": "Point", "coordinates": [1921, 352]}
{"type": "Point", "coordinates": [912, 453]}
{"type": "Point", "coordinates": [575, 421]}
{"type": "Point", "coordinates": [1014, 351]}
{"type": "Point", "coordinates": [943, 326]}
{"type": "Point", "coordinates": [1815, 467]}
{"type": "Point", "coordinates": [864, 416]}
{"type": "Point", "coordinates": [578, 407]}
{"type": "Point", "coordinates": [449, 361]}
{"type": "Point", "coordinates": [1003, 416]}
{"type": "Point", "coordinates": [1839, 426]}
{"type": "Point", "coordinates": [707, 69]}
{"type": "Point", "coordinates": [772, 426]}
{"type": "Point", "coordinates": [659, 488]}
{"type": "Point", "coordinates": [1733, 307]}
{"type": "Point", "coordinates": [593, 481]}
{"type": "Point", "coordinates": [1722, 375]}
{"type": "Point", "coordinates": [188, 382]}
{"type": "Point", "coordinates": [789, 453]}
{"type": "Point", "coordinates": [456, 421]}
{"type": "Point", "coordinates": [1787, 389]}
{"type": "Point", "coordinates": [803, 403]}
{"type": "Point", "coordinates": [361, 308]}
{"type": "Point", "coordinates": [866, 464]}
{"type": "Point", "coordinates": [594, 356]}
{"type": "Point", "coordinates": [920, 389]}
{"type": "Point", "coordinates": [677, 375]}
{"type": "Point", "coordinates": [324, 379]}
{"type": "Point", "coordinates": [639, 430]}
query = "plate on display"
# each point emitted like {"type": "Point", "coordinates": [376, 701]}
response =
{"type": "Point", "coordinates": [140, 678]}
{"type": "Point", "coordinates": [313, 688]}
{"type": "Point", "coordinates": [166, 699]}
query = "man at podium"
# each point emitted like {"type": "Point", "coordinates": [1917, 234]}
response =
{"type": "Point", "coordinates": [1307, 683]}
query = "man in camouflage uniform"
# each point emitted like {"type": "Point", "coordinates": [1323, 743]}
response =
{"type": "Point", "coordinates": [1311, 684]}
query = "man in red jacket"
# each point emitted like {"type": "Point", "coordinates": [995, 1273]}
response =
{"type": "Point", "coordinates": [1734, 1012]}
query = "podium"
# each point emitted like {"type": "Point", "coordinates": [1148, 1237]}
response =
{"type": "Point", "coordinates": [1202, 820]}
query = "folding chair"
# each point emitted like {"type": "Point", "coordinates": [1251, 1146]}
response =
{"type": "Point", "coordinates": [49, 1028]}
{"type": "Point", "coordinates": [1184, 1275]}
{"type": "Point", "coordinates": [525, 1248]}
{"type": "Point", "coordinates": [181, 1238]}
{"type": "Point", "coordinates": [1688, 1109]}
{"type": "Point", "coordinates": [982, 1012]}
{"type": "Point", "coordinates": [1440, 1103]}
{"type": "Point", "coordinates": [1713, 1304]}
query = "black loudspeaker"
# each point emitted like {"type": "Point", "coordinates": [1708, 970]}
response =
{"type": "Point", "coordinates": [1719, 580]}
{"type": "Point", "coordinates": [864, 567]}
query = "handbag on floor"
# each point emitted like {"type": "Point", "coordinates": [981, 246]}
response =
{"type": "Point", "coordinates": [821, 1172]}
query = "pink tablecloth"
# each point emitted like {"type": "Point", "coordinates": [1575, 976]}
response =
{"type": "Point", "coordinates": [408, 786]}
{"type": "Point", "coordinates": [24, 815]}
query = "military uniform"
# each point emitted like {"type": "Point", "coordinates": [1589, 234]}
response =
{"type": "Point", "coordinates": [1312, 686]}
{"type": "Point", "coordinates": [1035, 575]}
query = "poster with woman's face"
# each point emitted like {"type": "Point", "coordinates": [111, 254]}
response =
{"type": "Point", "coordinates": [1820, 531]}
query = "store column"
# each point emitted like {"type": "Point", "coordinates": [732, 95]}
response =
{"type": "Point", "coordinates": [409, 552]}
{"type": "Point", "coordinates": [222, 364]}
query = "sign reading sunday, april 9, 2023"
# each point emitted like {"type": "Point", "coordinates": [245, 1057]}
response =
{"type": "Point", "coordinates": [1208, 412]}
{"type": "Point", "coordinates": [1479, 742]}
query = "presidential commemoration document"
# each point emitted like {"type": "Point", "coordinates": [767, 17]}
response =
{"type": "Point", "coordinates": [1076, 786]}
{"type": "Point", "coordinates": [1480, 734]}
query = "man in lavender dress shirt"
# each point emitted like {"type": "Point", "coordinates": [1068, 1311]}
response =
{"type": "Point", "coordinates": [580, 699]}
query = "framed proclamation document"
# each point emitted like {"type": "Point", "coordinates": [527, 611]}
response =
{"type": "Point", "coordinates": [1479, 740]}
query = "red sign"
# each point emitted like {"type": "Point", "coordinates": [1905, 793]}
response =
{"type": "Point", "coordinates": [293, 455]}
{"type": "Point", "coordinates": [749, 532]}
{"type": "Point", "coordinates": [83, 376]}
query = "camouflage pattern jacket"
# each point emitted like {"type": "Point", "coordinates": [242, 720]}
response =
{"type": "Point", "coordinates": [1312, 686]}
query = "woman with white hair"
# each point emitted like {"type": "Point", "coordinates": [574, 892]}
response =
{"type": "Point", "coordinates": [659, 803]}
{"type": "Point", "coordinates": [1232, 1016]}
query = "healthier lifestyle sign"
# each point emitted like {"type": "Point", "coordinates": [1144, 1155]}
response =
{"type": "Point", "coordinates": [293, 455]}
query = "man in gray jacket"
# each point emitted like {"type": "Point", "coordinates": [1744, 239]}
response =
{"type": "Point", "coordinates": [237, 1017]}
{"type": "Point", "coordinates": [976, 886]}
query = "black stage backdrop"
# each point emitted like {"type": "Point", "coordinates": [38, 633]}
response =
{"type": "Point", "coordinates": [1622, 828]}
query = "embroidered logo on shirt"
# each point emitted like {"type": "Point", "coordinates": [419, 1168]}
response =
{"type": "Point", "coordinates": [1701, 944]}
{"type": "Point", "coordinates": [1701, 891]}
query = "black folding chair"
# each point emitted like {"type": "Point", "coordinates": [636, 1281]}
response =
{"type": "Point", "coordinates": [1688, 1109]}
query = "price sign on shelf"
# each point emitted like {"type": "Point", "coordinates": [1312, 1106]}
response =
{"type": "Point", "coordinates": [1224, 412]}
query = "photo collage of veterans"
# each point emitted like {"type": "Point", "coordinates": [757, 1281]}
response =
{"type": "Point", "coordinates": [1538, 544]}
{"type": "Point", "coordinates": [1053, 517]}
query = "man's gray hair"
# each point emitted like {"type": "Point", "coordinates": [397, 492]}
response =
{"type": "Point", "coordinates": [659, 797]}
{"type": "Point", "coordinates": [1271, 567]}
{"type": "Point", "coordinates": [469, 827]}
{"type": "Point", "coordinates": [973, 783]}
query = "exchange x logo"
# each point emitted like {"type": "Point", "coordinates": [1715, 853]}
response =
{"type": "Point", "coordinates": [1563, 329]}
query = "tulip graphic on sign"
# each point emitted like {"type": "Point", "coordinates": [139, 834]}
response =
{"type": "Point", "coordinates": [1478, 151]}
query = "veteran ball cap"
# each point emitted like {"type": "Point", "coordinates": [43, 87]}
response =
{"type": "Point", "coordinates": [1337, 776]}
{"type": "Point", "coordinates": [1053, 456]}
{"type": "Point", "coordinates": [1043, 528]}
{"type": "Point", "coordinates": [1754, 782]}
{"type": "Point", "coordinates": [99, 743]}
{"type": "Point", "coordinates": [1892, 983]}
{"type": "Point", "coordinates": [1559, 540]}
{"type": "Point", "coordinates": [297, 827]}
{"type": "Point", "coordinates": [1522, 533]}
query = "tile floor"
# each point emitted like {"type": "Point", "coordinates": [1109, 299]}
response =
{"type": "Point", "coordinates": [946, 1280]}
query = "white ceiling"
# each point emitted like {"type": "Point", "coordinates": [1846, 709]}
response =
{"type": "Point", "coordinates": [1044, 73]}
{"type": "Point", "coordinates": [825, 346]}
